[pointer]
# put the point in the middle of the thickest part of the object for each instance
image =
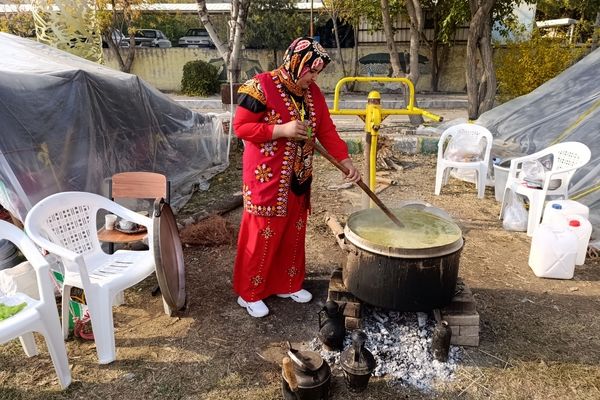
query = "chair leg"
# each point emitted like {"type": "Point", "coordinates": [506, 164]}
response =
{"type": "Point", "coordinates": [119, 299]}
{"type": "Point", "coordinates": [439, 178]}
{"type": "Point", "coordinates": [56, 347]}
{"type": "Point", "coordinates": [504, 201]}
{"type": "Point", "coordinates": [481, 177]}
{"type": "Point", "coordinates": [536, 208]}
{"type": "Point", "coordinates": [65, 310]}
{"type": "Point", "coordinates": [100, 306]}
{"type": "Point", "coordinates": [28, 343]}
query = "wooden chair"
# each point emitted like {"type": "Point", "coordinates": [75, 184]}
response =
{"type": "Point", "coordinates": [134, 185]}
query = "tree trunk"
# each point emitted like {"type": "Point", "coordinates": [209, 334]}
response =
{"type": "Point", "coordinates": [389, 38]}
{"type": "Point", "coordinates": [435, 62]}
{"type": "Point", "coordinates": [337, 41]}
{"type": "Point", "coordinates": [480, 89]}
{"type": "Point", "coordinates": [355, 27]}
{"type": "Point", "coordinates": [229, 52]}
{"type": "Point", "coordinates": [124, 65]}
{"type": "Point", "coordinates": [487, 56]}
{"type": "Point", "coordinates": [221, 46]}
{"type": "Point", "coordinates": [240, 26]}
{"type": "Point", "coordinates": [415, 14]}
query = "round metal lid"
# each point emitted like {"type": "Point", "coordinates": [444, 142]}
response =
{"type": "Point", "coordinates": [168, 256]}
{"type": "Point", "coordinates": [425, 234]}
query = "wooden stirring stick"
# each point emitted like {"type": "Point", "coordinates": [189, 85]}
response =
{"type": "Point", "coordinates": [361, 184]}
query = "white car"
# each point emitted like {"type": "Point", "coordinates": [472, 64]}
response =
{"type": "Point", "coordinates": [196, 37]}
{"type": "Point", "coordinates": [151, 38]}
{"type": "Point", "coordinates": [118, 38]}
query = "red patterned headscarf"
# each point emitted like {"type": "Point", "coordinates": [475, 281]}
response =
{"type": "Point", "coordinates": [303, 55]}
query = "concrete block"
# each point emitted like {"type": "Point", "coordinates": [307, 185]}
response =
{"type": "Point", "coordinates": [461, 319]}
{"type": "Point", "coordinates": [352, 309]}
{"type": "Point", "coordinates": [428, 145]}
{"type": "Point", "coordinates": [353, 323]}
{"type": "Point", "coordinates": [345, 297]}
{"type": "Point", "coordinates": [455, 330]}
{"type": "Point", "coordinates": [406, 145]}
{"type": "Point", "coordinates": [469, 330]}
{"type": "Point", "coordinates": [465, 340]}
{"type": "Point", "coordinates": [354, 146]}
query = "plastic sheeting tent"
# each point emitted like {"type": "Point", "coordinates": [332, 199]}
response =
{"type": "Point", "coordinates": [566, 108]}
{"type": "Point", "coordinates": [68, 124]}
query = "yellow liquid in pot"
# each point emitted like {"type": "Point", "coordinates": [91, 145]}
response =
{"type": "Point", "coordinates": [421, 229]}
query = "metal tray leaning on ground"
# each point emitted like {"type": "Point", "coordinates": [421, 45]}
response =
{"type": "Point", "coordinates": [168, 256]}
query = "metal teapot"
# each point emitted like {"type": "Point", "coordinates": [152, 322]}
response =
{"type": "Point", "coordinates": [357, 363]}
{"type": "Point", "coordinates": [305, 376]}
{"type": "Point", "coordinates": [332, 329]}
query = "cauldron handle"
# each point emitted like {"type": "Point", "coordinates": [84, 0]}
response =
{"type": "Point", "coordinates": [338, 231]}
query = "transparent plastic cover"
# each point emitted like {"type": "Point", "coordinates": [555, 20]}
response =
{"type": "Point", "coordinates": [69, 124]}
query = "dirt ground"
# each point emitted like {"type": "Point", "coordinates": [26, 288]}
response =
{"type": "Point", "coordinates": [540, 339]}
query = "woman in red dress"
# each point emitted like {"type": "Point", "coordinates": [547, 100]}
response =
{"type": "Point", "coordinates": [280, 115]}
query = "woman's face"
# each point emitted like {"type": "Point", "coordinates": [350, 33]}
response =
{"type": "Point", "coordinates": [309, 77]}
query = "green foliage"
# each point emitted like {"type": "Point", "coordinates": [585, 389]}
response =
{"type": "Point", "coordinates": [273, 24]}
{"type": "Point", "coordinates": [200, 79]}
{"type": "Point", "coordinates": [584, 11]}
{"type": "Point", "coordinates": [20, 24]}
{"type": "Point", "coordinates": [352, 10]}
{"type": "Point", "coordinates": [523, 66]}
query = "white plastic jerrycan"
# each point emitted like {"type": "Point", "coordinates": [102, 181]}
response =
{"type": "Point", "coordinates": [557, 208]}
{"type": "Point", "coordinates": [553, 252]}
{"type": "Point", "coordinates": [583, 229]}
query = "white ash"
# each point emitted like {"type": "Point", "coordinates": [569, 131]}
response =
{"type": "Point", "coordinates": [402, 349]}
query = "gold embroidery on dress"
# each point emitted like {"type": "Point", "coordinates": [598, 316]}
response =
{"type": "Point", "coordinates": [253, 89]}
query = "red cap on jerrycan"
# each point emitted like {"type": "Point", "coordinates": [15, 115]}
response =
{"type": "Point", "coordinates": [574, 223]}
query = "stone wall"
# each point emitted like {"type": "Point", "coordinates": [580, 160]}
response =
{"type": "Point", "coordinates": [163, 68]}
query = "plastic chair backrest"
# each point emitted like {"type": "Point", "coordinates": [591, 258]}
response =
{"type": "Point", "coordinates": [140, 185]}
{"type": "Point", "coordinates": [569, 155]}
{"type": "Point", "coordinates": [69, 221]}
{"type": "Point", "coordinates": [476, 134]}
{"type": "Point", "coordinates": [15, 235]}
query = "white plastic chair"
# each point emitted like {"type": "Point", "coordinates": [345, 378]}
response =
{"type": "Point", "coordinates": [567, 158]}
{"type": "Point", "coordinates": [65, 224]}
{"type": "Point", "coordinates": [38, 315]}
{"type": "Point", "coordinates": [475, 134]}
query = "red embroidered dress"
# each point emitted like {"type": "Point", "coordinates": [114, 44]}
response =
{"type": "Point", "coordinates": [271, 253]}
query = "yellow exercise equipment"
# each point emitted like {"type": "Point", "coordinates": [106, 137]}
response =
{"type": "Point", "coordinates": [373, 115]}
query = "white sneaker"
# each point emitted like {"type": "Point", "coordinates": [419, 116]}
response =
{"type": "Point", "coordinates": [301, 296]}
{"type": "Point", "coordinates": [257, 309]}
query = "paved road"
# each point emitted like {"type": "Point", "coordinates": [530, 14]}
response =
{"type": "Point", "coordinates": [450, 106]}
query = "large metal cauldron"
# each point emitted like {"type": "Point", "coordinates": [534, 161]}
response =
{"type": "Point", "coordinates": [412, 270]}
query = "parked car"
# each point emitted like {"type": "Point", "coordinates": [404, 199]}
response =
{"type": "Point", "coordinates": [151, 38]}
{"type": "Point", "coordinates": [196, 37]}
{"type": "Point", "coordinates": [119, 39]}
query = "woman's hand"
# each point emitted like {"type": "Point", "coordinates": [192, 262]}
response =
{"type": "Point", "coordinates": [353, 174]}
{"type": "Point", "coordinates": [294, 130]}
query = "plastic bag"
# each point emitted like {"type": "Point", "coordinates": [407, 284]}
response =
{"type": "Point", "coordinates": [515, 214]}
{"type": "Point", "coordinates": [462, 148]}
{"type": "Point", "coordinates": [533, 173]}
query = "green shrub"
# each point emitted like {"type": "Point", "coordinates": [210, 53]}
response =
{"type": "Point", "coordinates": [200, 79]}
{"type": "Point", "coordinates": [523, 66]}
